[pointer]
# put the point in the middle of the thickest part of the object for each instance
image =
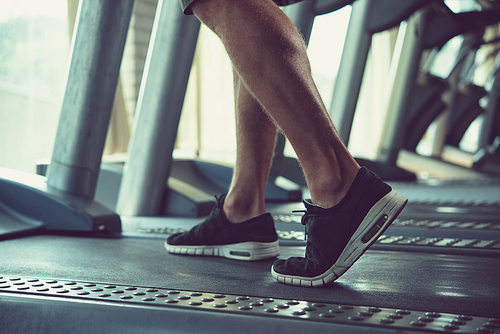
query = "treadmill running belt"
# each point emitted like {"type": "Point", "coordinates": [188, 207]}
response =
{"type": "Point", "coordinates": [439, 283]}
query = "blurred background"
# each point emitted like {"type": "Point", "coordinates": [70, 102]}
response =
{"type": "Point", "coordinates": [35, 46]}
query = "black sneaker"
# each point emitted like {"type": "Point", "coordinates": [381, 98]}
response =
{"type": "Point", "coordinates": [253, 239]}
{"type": "Point", "coordinates": [338, 236]}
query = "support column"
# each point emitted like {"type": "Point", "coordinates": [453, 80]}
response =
{"type": "Point", "coordinates": [64, 200]}
{"type": "Point", "coordinates": [159, 107]}
{"type": "Point", "coordinates": [302, 15]}
{"type": "Point", "coordinates": [96, 54]}
{"type": "Point", "coordinates": [404, 68]}
{"type": "Point", "coordinates": [352, 67]}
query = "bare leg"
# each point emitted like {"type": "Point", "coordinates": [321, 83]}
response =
{"type": "Point", "coordinates": [256, 135]}
{"type": "Point", "coordinates": [270, 57]}
{"type": "Point", "coordinates": [273, 69]}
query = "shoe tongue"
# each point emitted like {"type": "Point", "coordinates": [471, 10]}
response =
{"type": "Point", "coordinates": [310, 207]}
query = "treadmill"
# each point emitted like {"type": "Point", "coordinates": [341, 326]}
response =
{"type": "Point", "coordinates": [71, 264]}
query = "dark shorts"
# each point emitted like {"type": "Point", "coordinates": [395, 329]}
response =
{"type": "Point", "coordinates": [186, 3]}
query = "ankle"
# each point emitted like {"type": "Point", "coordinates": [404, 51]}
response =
{"type": "Point", "coordinates": [239, 209]}
{"type": "Point", "coordinates": [329, 191]}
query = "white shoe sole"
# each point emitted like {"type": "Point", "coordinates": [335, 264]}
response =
{"type": "Point", "coordinates": [376, 221]}
{"type": "Point", "coordinates": [244, 251]}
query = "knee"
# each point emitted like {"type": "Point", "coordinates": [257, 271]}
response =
{"type": "Point", "coordinates": [218, 14]}
{"type": "Point", "coordinates": [207, 11]}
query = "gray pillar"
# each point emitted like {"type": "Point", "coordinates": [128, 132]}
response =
{"type": "Point", "coordinates": [327, 6]}
{"type": "Point", "coordinates": [159, 107]}
{"type": "Point", "coordinates": [96, 55]}
{"type": "Point", "coordinates": [486, 136]}
{"type": "Point", "coordinates": [352, 67]}
{"type": "Point", "coordinates": [405, 67]}
{"type": "Point", "coordinates": [302, 15]}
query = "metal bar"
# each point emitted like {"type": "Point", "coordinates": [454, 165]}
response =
{"type": "Point", "coordinates": [404, 68]}
{"type": "Point", "coordinates": [161, 97]}
{"type": "Point", "coordinates": [351, 70]}
{"type": "Point", "coordinates": [487, 134]}
{"type": "Point", "coordinates": [327, 6]}
{"type": "Point", "coordinates": [186, 311]}
{"type": "Point", "coordinates": [96, 54]}
{"type": "Point", "coordinates": [302, 14]}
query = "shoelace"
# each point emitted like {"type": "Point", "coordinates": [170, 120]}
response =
{"type": "Point", "coordinates": [302, 220]}
{"type": "Point", "coordinates": [305, 217]}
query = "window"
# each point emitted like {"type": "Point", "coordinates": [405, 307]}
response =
{"type": "Point", "coordinates": [34, 45]}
